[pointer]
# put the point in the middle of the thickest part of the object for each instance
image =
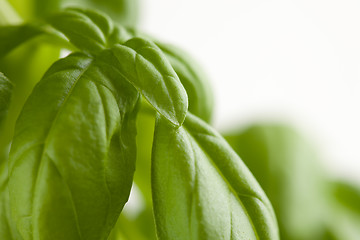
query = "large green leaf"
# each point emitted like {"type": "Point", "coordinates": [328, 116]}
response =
{"type": "Point", "coordinates": [194, 80]}
{"type": "Point", "coordinates": [73, 155]}
{"type": "Point", "coordinates": [288, 170]}
{"type": "Point", "coordinates": [202, 189]}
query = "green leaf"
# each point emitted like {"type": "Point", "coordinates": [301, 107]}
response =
{"type": "Point", "coordinates": [202, 189]}
{"type": "Point", "coordinates": [144, 65]}
{"type": "Point", "coordinates": [288, 169]}
{"type": "Point", "coordinates": [124, 12]}
{"type": "Point", "coordinates": [73, 155]}
{"type": "Point", "coordinates": [13, 36]}
{"type": "Point", "coordinates": [343, 211]}
{"type": "Point", "coordinates": [8, 230]}
{"type": "Point", "coordinates": [140, 61]}
{"type": "Point", "coordinates": [6, 88]}
{"type": "Point", "coordinates": [201, 101]}
{"type": "Point", "coordinates": [88, 30]}
{"type": "Point", "coordinates": [33, 58]}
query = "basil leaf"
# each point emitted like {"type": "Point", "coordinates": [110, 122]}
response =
{"type": "Point", "coordinates": [88, 30]}
{"type": "Point", "coordinates": [5, 96]}
{"type": "Point", "coordinates": [288, 170]}
{"type": "Point", "coordinates": [202, 189]}
{"type": "Point", "coordinates": [73, 155]}
{"type": "Point", "coordinates": [201, 101]}
{"type": "Point", "coordinates": [124, 12]}
{"type": "Point", "coordinates": [147, 69]}
{"type": "Point", "coordinates": [13, 36]}
{"type": "Point", "coordinates": [8, 230]}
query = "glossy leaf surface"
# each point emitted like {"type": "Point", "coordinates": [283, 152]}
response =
{"type": "Point", "coordinates": [145, 66]}
{"type": "Point", "coordinates": [73, 155]}
{"type": "Point", "coordinates": [88, 30]}
{"type": "Point", "coordinates": [202, 189]}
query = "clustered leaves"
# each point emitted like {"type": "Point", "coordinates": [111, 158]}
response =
{"type": "Point", "coordinates": [74, 148]}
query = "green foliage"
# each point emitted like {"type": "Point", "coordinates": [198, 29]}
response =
{"type": "Point", "coordinates": [306, 204]}
{"type": "Point", "coordinates": [79, 126]}
{"type": "Point", "coordinates": [201, 188]}
{"type": "Point", "coordinates": [7, 228]}
{"type": "Point", "coordinates": [12, 36]}
{"type": "Point", "coordinates": [81, 94]}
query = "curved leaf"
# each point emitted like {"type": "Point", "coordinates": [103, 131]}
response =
{"type": "Point", "coordinates": [288, 170]}
{"type": "Point", "coordinates": [201, 100]}
{"type": "Point", "coordinates": [145, 66]}
{"type": "Point", "coordinates": [201, 188]}
{"type": "Point", "coordinates": [73, 155]}
{"type": "Point", "coordinates": [13, 36]}
{"type": "Point", "coordinates": [88, 30]}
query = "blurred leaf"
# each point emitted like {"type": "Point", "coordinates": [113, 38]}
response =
{"type": "Point", "coordinates": [287, 168]}
{"type": "Point", "coordinates": [8, 15]}
{"type": "Point", "coordinates": [122, 11]}
{"type": "Point", "coordinates": [343, 213]}
{"type": "Point", "coordinates": [25, 67]}
{"type": "Point", "coordinates": [13, 36]}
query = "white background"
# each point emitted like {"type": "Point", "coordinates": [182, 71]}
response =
{"type": "Point", "coordinates": [293, 61]}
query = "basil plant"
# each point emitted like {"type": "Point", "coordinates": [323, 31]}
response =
{"type": "Point", "coordinates": [119, 110]}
